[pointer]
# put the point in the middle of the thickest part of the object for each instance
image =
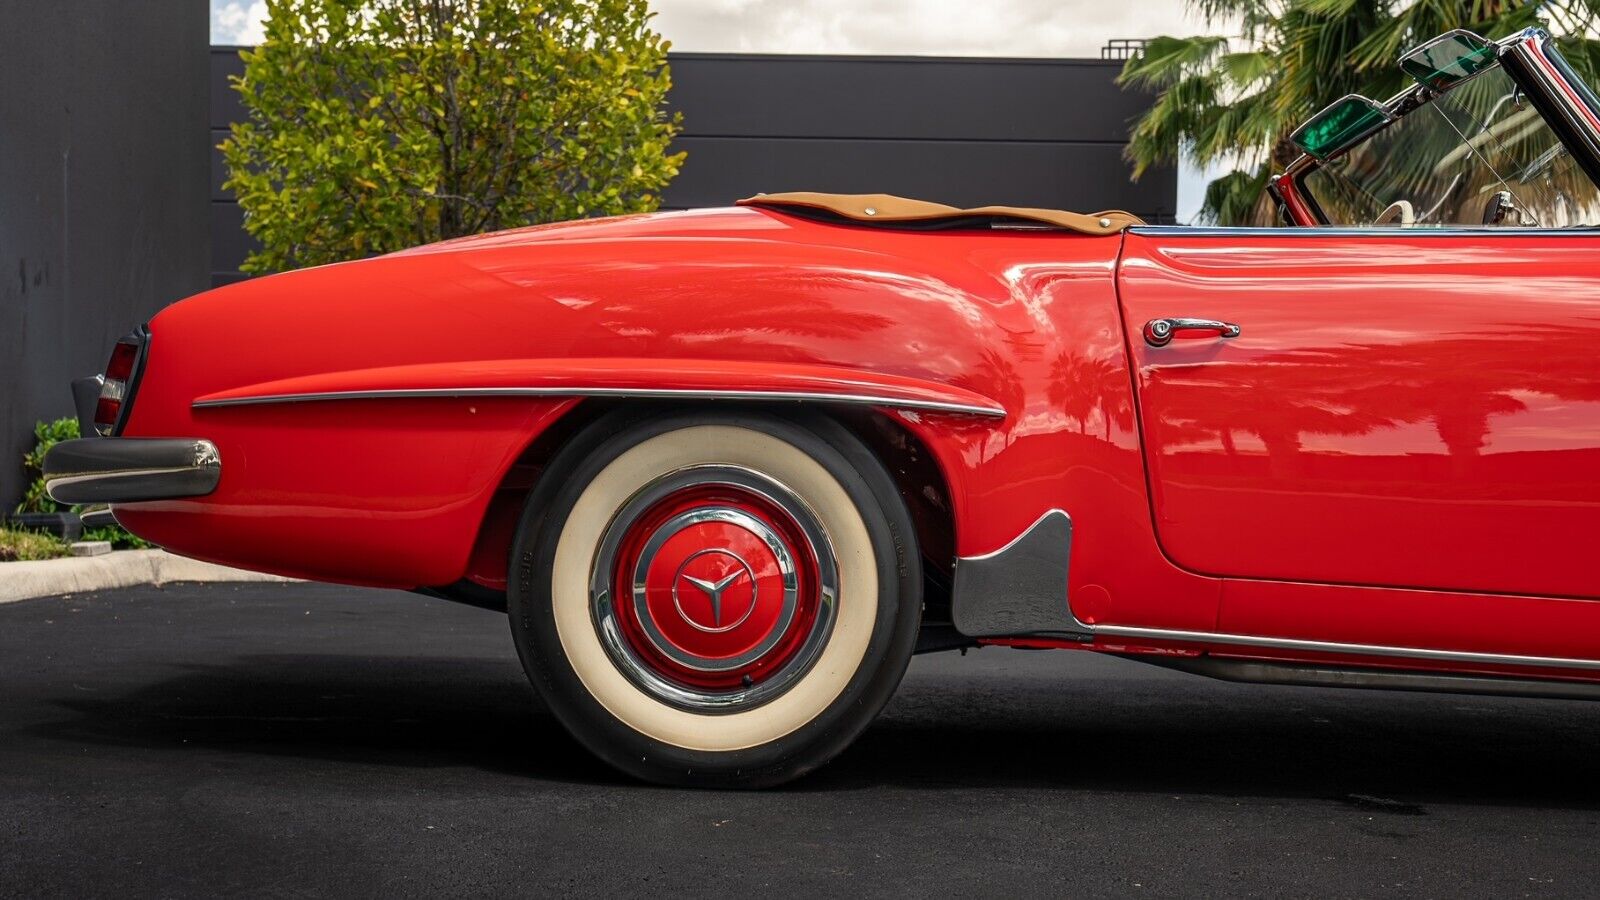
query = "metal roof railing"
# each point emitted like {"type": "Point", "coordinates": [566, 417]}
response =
{"type": "Point", "coordinates": [1122, 48]}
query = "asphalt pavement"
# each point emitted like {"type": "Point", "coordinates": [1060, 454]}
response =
{"type": "Point", "coordinates": [311, 740]}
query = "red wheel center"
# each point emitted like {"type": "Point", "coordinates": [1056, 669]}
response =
{"type": "Point", "coordinates": [714, 589]}
{"type": "Point", "coordinates": [724, 582]}
{"type": "Point", "coordinates": [717, 587]}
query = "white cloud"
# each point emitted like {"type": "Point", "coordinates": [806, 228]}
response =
{"type": "Point", "coordinates": [237, 21]}
{"type": "Point", "coordinates": [1050, 28]}
{"type": "Point", "coordinates": [924, 27]}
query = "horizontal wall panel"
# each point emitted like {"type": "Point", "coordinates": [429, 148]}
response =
{"type": "Point", "coordinates": [219, 169]}
{"type": "Point", "coordinates": [230, 243]}
{"type": "Point", "coordinates": [1080, 177]}
{"type": "Point", "coordinates": [225, 106]}
{"type": "Point", "coordinates": [864, 96]}
{"type": "Point", "coordinates": [103, 107]}
{"type": "Point", "coordinates": [964, 131]}
{"type": "Point", "coordinates": [902, 97]}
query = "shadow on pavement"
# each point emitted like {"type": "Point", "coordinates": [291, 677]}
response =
{"type": "Point", "coordinates": [1168, 734]}
{"type": "Point", "coordinates": [413, 712]}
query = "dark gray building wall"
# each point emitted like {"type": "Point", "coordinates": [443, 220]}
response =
{"type": "Point", "coordinates": [103, 164]}
{"type": "Point", "coordinates": [969, 132]}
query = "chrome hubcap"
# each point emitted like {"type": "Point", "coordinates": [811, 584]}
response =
{"type": "Point", "coordinates": [714, 588]}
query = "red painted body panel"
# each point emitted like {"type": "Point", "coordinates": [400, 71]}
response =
{"type": "Point", "coordinates": [1443, 620]}
{"type": "Point", "coordinates": [1390, 416]}
{"type": "Point", "coordinates": [1364, 344]}
{"type": "Point", "coordinates": [389, 491]}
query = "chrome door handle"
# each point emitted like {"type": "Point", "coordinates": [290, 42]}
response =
{"type": "Point", "coordinates": [1160, 332]}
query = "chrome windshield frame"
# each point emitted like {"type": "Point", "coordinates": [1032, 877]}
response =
{"type": "Point", "coordinates": [1531, 60]}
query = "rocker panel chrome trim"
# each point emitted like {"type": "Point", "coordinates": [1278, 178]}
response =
{"type": "Point", "coordinates": [628, 393]}
{"type": "Point", "coordinates": [1254, 671]}
{"type": "Point", "coordinates": [1245, 640]}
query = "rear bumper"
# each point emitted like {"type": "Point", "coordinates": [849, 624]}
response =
{"type": "Point", "coordinates": [128, 470]}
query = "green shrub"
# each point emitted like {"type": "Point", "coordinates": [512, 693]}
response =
{"type": "Point", "coordinates": [375, 125]}
{"type": "Point", "coordinates": [46, 435]}
{"type": "Point", "coordinates": [36, 500]}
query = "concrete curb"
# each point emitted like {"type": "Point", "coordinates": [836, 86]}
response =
{"type": "Point", "coordinates": [124, 568]}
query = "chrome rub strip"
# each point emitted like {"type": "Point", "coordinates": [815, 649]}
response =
{"type": "Point", "coordinates": [1244, 640]}
{"type": "Point", "coordinates": [92, 477]}
{"type": "Point", "coordinates": [630, 393]}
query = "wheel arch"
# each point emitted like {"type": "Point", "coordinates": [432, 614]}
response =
{"type": "Point", "coordinates": [909, 457]}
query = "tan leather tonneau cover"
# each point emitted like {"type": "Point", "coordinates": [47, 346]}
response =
{"type": "Point", "coordinates": [889, 209]}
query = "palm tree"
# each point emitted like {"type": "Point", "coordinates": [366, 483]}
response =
{"type": "Point", "coordinates": [1235, 99]}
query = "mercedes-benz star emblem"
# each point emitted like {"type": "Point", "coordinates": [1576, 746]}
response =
{"type": "Point", "coordinates": [714, 591]}
{"type": "Point", "coordinates": [738, 574]}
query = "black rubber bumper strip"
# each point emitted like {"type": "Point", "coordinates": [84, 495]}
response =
{"type": "Point", "coordinates": [128, 470]}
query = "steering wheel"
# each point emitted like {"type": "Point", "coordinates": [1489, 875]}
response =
{"type": "Point", "coordinates": [1400, 211]}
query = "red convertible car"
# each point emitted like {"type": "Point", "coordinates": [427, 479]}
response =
{"type": "Point", "coordinates": [729, 469]}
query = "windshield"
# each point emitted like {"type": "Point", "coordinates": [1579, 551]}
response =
{"type": "Point", "coordinates": [1478, 155]}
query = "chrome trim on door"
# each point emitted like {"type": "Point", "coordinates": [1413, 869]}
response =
{"type": "Point", "coordinates": [1160, 332]}
{"type": "Point", "coordinates": [626, 393]}
{"type": "Point", "coordinates": [1245, 640]}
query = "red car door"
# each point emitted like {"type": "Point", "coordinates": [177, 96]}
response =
{"type": "Point", "coordinates": [1397, 410]}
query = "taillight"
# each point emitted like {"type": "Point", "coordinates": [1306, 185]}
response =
{"type": "Point", "coordinates": [117, 388]}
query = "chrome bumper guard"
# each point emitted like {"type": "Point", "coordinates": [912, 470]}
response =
{"type": "Point", "coordinates": [129, 470]}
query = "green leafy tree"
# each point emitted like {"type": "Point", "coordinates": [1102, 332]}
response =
{"type": "Point", "coordinates": [381, 124]}
{"type": "Point", "coordinates": [1234, 99]}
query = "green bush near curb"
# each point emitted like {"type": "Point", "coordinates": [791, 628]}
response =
{"type": "Point", "coordinates": [36, 500]}
{"type": "Point", "coordinates": [45, 435]}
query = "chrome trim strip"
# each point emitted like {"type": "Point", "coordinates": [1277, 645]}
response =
{"type": "Point", "coordinates": [1531, 51]}
{"type": "Point", "coordinates": [1258, 671]}
{"type": "Point", "coordinates": [1021, 536]}
{"type": "Point", "coordinates": [1245, 640]}
{"type": "Point", "coordinates": [630, 393]}
{"type": "Point", "coordinates": [97, 517]}
{"type": "Point", "coordinates": [61, 481]}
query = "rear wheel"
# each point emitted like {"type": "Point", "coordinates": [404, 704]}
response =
{"type": "Point", "coordinates": [715, 599]}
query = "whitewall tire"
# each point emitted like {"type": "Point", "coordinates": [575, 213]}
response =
{"type": "Point", "coordinates": [715, 598]}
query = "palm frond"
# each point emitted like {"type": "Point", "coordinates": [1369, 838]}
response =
{"type": "Point", "coordinates": [1167, 60]}
{"type": "Point", "coordinates": [1237, 198]}
{"type": "Point", "coordinates": [1239, 97]}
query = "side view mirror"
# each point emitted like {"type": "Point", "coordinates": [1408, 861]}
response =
{"type": "Point", "coordinates": [1449, 59]}
{"type": "Point", "coordinates": [1342, 124]}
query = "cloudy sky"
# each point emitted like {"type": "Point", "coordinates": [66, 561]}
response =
{"type": "Point", "coordinates": [929, 27]}
{"type": "Point", "coordinates": [937, 27]}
